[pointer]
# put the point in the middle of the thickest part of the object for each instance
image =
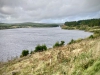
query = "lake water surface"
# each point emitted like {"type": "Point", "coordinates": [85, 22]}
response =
{"type": "Point", "coordinates": [13, 41]}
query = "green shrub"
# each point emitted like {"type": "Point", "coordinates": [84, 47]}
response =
{"type": "Point", "coordinates": [40, 48]}
{"type": "Point", "coordinates": [57, 44]}
{"type": "Point", "coordinates": [62, 43]}
{"type": "Point", "coordinates": [44, 47]}
{"type": "Point", "coordinates": [24, 53]}
{"type": "Point", "coordinates": [72, 41]}
{"type": "Point", "coordinates": [91, 37]}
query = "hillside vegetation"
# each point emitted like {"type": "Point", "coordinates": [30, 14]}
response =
{"type": "Point", "coordinates": [87, 25]}
{"type": "Point", "coordinates": [89, 22]}
{"type": "Point", "coordinates": [79, 57]}
{"type": "Point", "coordinates": [25, 25]}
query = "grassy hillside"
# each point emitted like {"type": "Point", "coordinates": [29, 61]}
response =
{"type": "Point", "coordinates": [25, 25]}
{"type": "Point", "coordinates": [80, 58]}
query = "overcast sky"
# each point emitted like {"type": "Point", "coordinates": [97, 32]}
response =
{"type": "Point", "coordinates": [48, 11]}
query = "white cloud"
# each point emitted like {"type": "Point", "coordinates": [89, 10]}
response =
{"type": "Point", "coordinates": [48, 10]}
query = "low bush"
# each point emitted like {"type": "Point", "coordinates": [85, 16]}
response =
{"type": "Point", "coordinates": [24, 53]}
{"type": "Point", "coordinates": [62, 43]}
{"type": "Point", "coordinates": [72, 41]}
{"type": "Point", "coordinates": [57, 44]}
{"type": "Point", "coordinates": [91, 37]}
{"type": "Point", "coordinates": [40, 48]}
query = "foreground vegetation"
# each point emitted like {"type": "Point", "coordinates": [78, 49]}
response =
{"type": "Point", "coordinates": [25, 25]}
{"type": "Point", "coordinates": [78, 57]}
{"type": "Point", "coordinates": [40, 48]}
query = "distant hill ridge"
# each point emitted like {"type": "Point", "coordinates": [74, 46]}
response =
{"type": "Point", "coordinates": [89, 22]}
{"type": "Point", "coordinates": [25, 25]}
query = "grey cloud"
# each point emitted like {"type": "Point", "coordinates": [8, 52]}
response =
{"type": "Point", "coordinates": [50, 10]}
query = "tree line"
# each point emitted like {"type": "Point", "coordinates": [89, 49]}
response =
{"type": "Point", "coordinates": [88, 22]}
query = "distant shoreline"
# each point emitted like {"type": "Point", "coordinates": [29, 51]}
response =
{"type": "Point", "coordinates": [26, 25]}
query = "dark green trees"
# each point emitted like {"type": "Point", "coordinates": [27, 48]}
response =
{"type": "Point", "coordinates": [89, 22]}
{"type": "Point", "coordinates": [40, 48]}
{"type": "Point", "coordinates": [24, 53]}
{"type": "Point", "coordinates": [62, 43]}
{"type": "Point", "coordinates": [57, 44]}
{"type": "Point", "coordinates": [72, 41]}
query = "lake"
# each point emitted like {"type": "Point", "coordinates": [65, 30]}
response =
{"type": "Point", "coordinates": [13, 41]}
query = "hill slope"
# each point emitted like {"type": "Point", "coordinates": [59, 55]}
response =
{"type": "Point", "coordinates": [25, 25]}
{"type": "Point", "coordinates": [80, 58]}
